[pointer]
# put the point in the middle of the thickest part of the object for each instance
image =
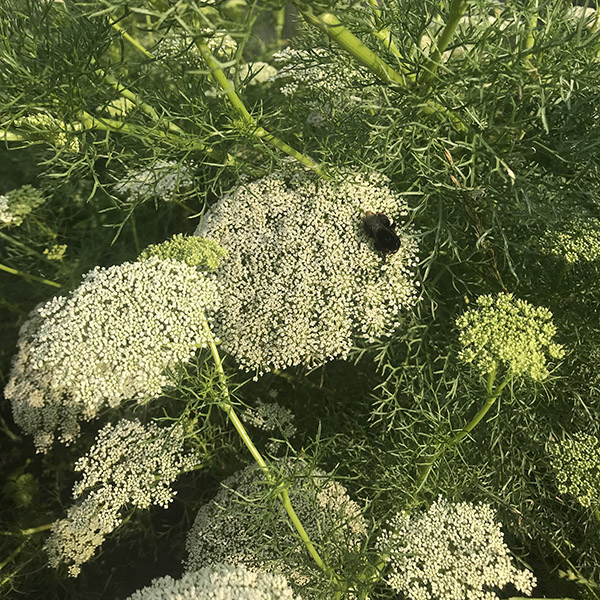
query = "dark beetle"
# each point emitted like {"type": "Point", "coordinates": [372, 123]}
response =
{"type": "Point", "coordinates": [380, 228]}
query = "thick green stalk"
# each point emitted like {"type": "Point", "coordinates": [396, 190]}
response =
{"type": "Point", "coordinates": [331, 26]}
{"type": "Point", "coordinates": [116, 126]}
{"type": "Point", "coordinates": [382, 33]}
{"type": "Point", "coordinates": [341, 35]}
{"type": "Point", "coordinates": [239, 106]}
{"type": "Point", "coordinates": [28, 531]}
{"type": "Point", "coordinates": [455, 13]}
{"type": "Point", "coordinates": [227, 407]}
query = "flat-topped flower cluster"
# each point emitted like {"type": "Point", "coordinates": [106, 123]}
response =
{"type": "Point", "coordinates": [227, 530]}
{"type": "Point", "coordinates": [129, 464]}
{"type": "Point", "coordinates": [219, 582]}
{"type": "Point", "coordinates": [111, 340]}
{"type": "Point", "coordinates": [576, 463]}
{"type": "Point", "coordinates": [452, 550]}
{"type": "Point", "coordinates": [302, 279]}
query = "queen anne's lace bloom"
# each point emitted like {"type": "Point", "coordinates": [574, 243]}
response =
{"type": "Point", "coordinates": [576, 464]}
{"type": "Point", "coordinates": [302, 277]}
{"type": "Point", "coordinates": [504, 331]}
{"type": "Point", "coordinates": [453, 550]}
{"type": "Point", "coordinates": [219, 582]}
{"type": "Point", "coordinates": [227, 528]}
{"type": "Point", "coordinates": [129, 464]}
{"type": "Point", "coordinates": [112, 339]}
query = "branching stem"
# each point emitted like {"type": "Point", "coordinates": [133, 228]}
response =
{"type": "Point", "coordinates": [227, 407]}
{"type": "Point", "coordinates": [239, 106]}
{"type": "Point", "coordinates": [491, 396]}
{"type": "Point", "coordinates": [455, 13]}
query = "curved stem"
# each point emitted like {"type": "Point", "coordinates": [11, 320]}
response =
{"type": "Point", "coordinates": [29, 276]}
{"type": "Point", "coordinates": [331, 26]}
{"type": "Point", "coordinates": [491, 397]}
{"type": "Point", "coordinates": [227, 407]}
{"type": "Point", "coordinates": [239, 106]}
{"type": "Point", "coordinates": [455, 13]}
{"type": "Point", "coordinates": [29, 531]}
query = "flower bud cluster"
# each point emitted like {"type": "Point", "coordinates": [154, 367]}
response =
{"type": "Point", "coordinates": [577, 241]}
{"type": "Point", "coordinates": [18, 203]}
{"type": "Point", "coordinates": [130, 464]}
{"type": "Point", "coordinates": [452, 550]}
{"type": "Point", "coordinates": [192, 250]}
{"type": "Point", "coordinates": [219, 582]}
{"type": "Point", "coordinates": [576, 464]}
{"type": "Point", "coordinates": [508, 332]}
{"type": "Point", "coordinates": [111, 340]}
{"type": "Point", "coordinates": [161, 181]}
{"type": "Point", "coordinates": [232, 528]}
{"type": "Point", "coordinates": [303, 278]}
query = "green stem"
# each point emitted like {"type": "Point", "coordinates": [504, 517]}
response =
{"type": "Point", "coordinates": [29, 531]}
{"type": "Point", "coordinates": [331, 26]}
{"type": "Point", "coordinates": [29, 276]}
{"type": "Point", "coordinates": [491, 397]}
{"type": "Point", "coordinates": [227, 407]}
{"type": "Point", "coordinates": [248, 119]}
{"type": "Point", "coordinates": [146, 108]}
{"type": "Point", "coordinates": [133, 41]}
{"type": "Point", "coordinates": [455, 13]}
{"type": "Point", "coordinates": [532, 24]}
{"type": "Point", "coordinates": [12, 555]}
{"type": "Point", "coordinates": [382, 33]}
{"type": "Point", "coordinates": [116, 126]}
{"type": "Point", "coordinates": [338, 33]}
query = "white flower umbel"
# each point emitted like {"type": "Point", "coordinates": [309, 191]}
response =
{"type": "Point", "coordinates": [508, 332]}
{"type": "Point", "coordinates": [162, 181]}
{"type": "Point", "coordinates": [233, 527]}
{"type": "Point", "coordinates": [112, 339]}
{"type": "Point", "coordinates": [450, 551]}
{"type": "Point", "coordinates": [130, 464]}
{"type": "Point", "coordinates": [321, 73]}
{"type": "Point", "coordinates": [219, 582]}
{"type": "Point", "coordinates": [302, 278]}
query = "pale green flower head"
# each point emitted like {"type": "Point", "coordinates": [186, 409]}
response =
{"type": "Point", "coordinates": [18, 203]}
{"type": "Point", "coordinates": [195, 251]}
{"type": "Point", "coordinates": [576, 464]}
{"type": "Point", "coordinates": [450, 551]}
{"type": "Point", "coordinates": [577, 241]}
{"type": "Point", "coordinates": [221, 581]}
{"type": "Point", "coordinates": [509, 333]}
